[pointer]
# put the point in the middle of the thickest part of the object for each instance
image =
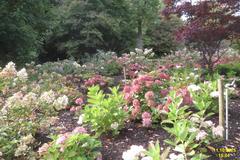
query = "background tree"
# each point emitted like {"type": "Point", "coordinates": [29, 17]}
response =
{"type": "Point", "coordinates": [208, 24]}
{"type": "Point", "coordinates": [22, 28]}
{"type": "Point", "coordinates": [144, 13]}
{"type": "Point", "coordinates": [85, 26]}
{"type": "Point", "coordinates": [160, 36]}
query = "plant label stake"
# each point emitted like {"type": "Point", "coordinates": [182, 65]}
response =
{"type": "Point", "coordinates": [226, 114]}
{"type": "Point", "coordinates": [221, 103]}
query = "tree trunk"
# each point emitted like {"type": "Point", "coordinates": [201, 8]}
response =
{"type": "Point", "coordinates": [139, 43]}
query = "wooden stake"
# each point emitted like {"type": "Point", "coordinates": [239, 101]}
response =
{"type": "Point", "coordinates": [124, 74]}
{"type": "Point", "coordinates": [221, 103]}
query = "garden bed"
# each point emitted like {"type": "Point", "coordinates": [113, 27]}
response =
{"type": "Point", "coordinates": [135, 134]}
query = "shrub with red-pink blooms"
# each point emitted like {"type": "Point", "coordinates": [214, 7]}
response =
{"type": "Point", "coordinates": [146, 96]}
{"type": "Point", "coordinates": [95, 80]}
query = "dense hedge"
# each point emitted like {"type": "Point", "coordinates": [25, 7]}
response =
{"type": "Point", "coordinates": [230, 70]}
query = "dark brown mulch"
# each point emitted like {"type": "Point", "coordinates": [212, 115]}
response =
{"type": "Point", "coordinates": [132, 134]}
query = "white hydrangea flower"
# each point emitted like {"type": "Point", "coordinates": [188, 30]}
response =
{"type": "Point", "coordinates": [47, 97]}
{"type": "Point", "coordinates": [214, 94]}
{"type": "Point", "coordinates": [22, 75]}
{"type": "Point", "coordinates": [133, 152]}
{"type": "Point", "coordinates": [147, 51]}
{"type": "Point", "coordinates": [9, 70]}
{"type": "Point", "coordinates": [76, 64]}
{"type": "Point", "coordinates": [27, 139]}
{"type": "Point", "coordinates": [207, 124]}
{"type": "Point", "coordinates": [201, 135]}
{"type": "Point", "coordinates": [80, 119]}
{"type": "Point", "coordinates": [29, 98]}
{"type": "Point", "coordinates": [192, 74]}
{"type": "Point", "coordinates": [194, 87]}
{"type": "Point", "coordinates": [10, 66]}
{"type": "Point", "coordinates": [174, 156]}
{"type": "Point", "coordinates": [196, 76]}
{"type": "Point", "coordinates": [132, 53]}
{"type": "Point", "coordinates": [22, 149]}
{"type": "Point", "coordinates": [147, 158]}
{"type": "Point", "coordinates": [192, 130]}
{"type": "Point", "coordinates": [195, 119]}
{"type": "Point", "coordinates": [218, 131]}
{"type": "Point", "coordinates": [177, 66]}
{"type": "Point", "coordinates": [114, 125]}
{"type": "Point", "coordinates": [139, 51]}
{"type": "Point", "coordinates": [15, 98]}
{"type": "Point", "coordinates": [61, 102]}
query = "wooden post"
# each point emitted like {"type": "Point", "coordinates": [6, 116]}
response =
{"type": "Point", "coordinates": [221, 103]}
{"type": "Point", "coordinates": [124, 74]}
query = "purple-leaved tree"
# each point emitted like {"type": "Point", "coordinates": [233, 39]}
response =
{"type": "Point", "coordinates": [208, 24]}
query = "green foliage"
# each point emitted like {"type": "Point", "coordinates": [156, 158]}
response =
{"type": "Point", "coordinates": [143, 14]}
{"type": "Point", "coordinates": [184, 141]}
{"type": "Point", "coordinates": [85, 26]}
{"type": "Point", "coordinates": [175, 112]}
{"type": "Point", "coordinates": [64, 67]}
{"type": "Point", "coordinates": [104, 112]}
{"type": "Point", "coordinates": [76, 147]}
{"type": "Point", "coordinates": [22, 28]}
{"type": "Point", "coordinates": [111, 69]}
{"type": "Point", "coordinates": [160, 36]}
{"type": "Point", "coordinates": [154, 151]}
{"type": "Point", "coordinates": [104, 63]}
{"type": "Point", "coordinates": [230, 70]}
{"type": "Point", "coordinates": [203, 101]}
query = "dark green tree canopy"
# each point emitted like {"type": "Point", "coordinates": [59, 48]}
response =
{"type": "Point", "coordinates": [23, 24]}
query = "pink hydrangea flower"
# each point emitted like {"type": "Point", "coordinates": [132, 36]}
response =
{"type": "Point", "coordinates": [151, 103]}
{"type": "Point", "coordinates": [79, 130]}
{"type": "Point", "coordinates": [158, 82]}
{"type": "Point", "coordinates": [149, 83]}
{"type": "Point", "coordinates": [165, 108]}
{"type": "Point", "coordinates": [164, 92]}
{"type": "Point", "coordinates": [135, 82]}
{"type": "Point", "coordinates": [160, 107]}
{"type": "Point", "coordinates": [78, 108]}
{"type": "Point", "coordinates": [164, 76]}
{"type": "Point", "coordinates": [62, 138]}
{"type": "Point", "coordinates": [146, 119]}
{"type": "Point", "coordinates": [128, 97]}
{"type": "Point", "coordinates": [72, 109]}
{"type": "Point", "coordinates": [125, 108]}
{"type": "Point", "coordinates": [187, 99]}
{"type": "Point", "coordinates": [149, 95]}
{"type": "Point", "coordinates": [135, 112]}
{"type": "Point", "coordinates": [127, 89]}
{"type": "Point", "coordinates": [43, 149]}
{"type": "Point", "coordinates": [136, 103]}
{"type": "Point", "coordinates": [136, 88]}
{"type": "Point", "coordinates": [79, 101]}
{"type": "Point", "coordinates": [146, 115]}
